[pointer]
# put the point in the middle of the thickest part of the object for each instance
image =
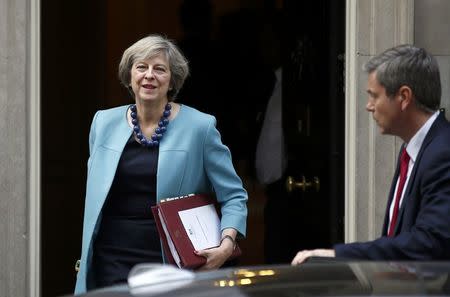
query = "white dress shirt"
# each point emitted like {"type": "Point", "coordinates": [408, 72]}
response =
{"type": "Point", "coordinates": [270, 152]}
{"type": "Point", "coordinates": [412, 148]}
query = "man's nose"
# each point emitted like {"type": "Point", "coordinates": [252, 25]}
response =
{"type": "Point", "coordinates": [369, 106]}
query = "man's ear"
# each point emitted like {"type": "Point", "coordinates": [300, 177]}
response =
{"type": "Point", "coordinates": [406, 97]}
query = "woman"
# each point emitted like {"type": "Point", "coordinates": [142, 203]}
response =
{"type": "Point", "coordinates": [147, 151]}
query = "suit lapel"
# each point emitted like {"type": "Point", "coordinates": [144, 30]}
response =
{"type": "Point", "coordinates": [434, 130]}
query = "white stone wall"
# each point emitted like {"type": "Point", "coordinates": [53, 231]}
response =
{"type": "Point", "coordinates": [373, 26]}
{"type": "Point", "coordinates": [432, 31]}
{"type": "Point", "coordinates": [13, 147]}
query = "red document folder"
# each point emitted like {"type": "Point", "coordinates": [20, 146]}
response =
{"type": "Point", "coordinates": [167, 211]}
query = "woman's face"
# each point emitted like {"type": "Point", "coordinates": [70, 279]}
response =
{"type": "Point", "coordinates": [150, 78]}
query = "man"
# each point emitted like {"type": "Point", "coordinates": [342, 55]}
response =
{"type": "Point", "coordinates": [404, 97]}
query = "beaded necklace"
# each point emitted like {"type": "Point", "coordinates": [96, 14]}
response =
{"type": "Point", "coordinates": [159, 131]}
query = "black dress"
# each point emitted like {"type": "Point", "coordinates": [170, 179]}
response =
{"type": "Point", "coordinates": [127, 233]}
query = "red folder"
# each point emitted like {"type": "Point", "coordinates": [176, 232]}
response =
{"type": "Point", "coordinates": [169, 208]}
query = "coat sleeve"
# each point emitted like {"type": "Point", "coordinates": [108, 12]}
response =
{"type": "Point", "coordinates": [226, 183]}
{"type": "Point", "coordinates": [428, 235]}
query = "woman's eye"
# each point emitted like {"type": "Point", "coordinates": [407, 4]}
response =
{"type": "Point", "coordinates": [160, 69]}
{"type": "Point", "coordinates": [141, 67]}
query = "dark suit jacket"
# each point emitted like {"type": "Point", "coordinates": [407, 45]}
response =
{"type": "Point", "coordinates": [422, 231]}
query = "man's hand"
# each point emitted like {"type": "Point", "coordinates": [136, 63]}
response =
{"type": "Point", "coordinates": [305, 254]}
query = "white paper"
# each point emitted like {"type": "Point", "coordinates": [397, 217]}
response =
{"type": "Point", "coordinates": [202, 225]}
{"type": "Point", "coordinates": [172, 248]}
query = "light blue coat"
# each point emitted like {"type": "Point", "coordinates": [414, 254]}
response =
{"type": "Point", "coordinates": [192, 159]}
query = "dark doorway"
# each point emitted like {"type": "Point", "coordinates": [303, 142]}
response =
{"type": "Point", "coordinates": [72, 85]}
{"type": "Point", "coordinates": [314, 114]}
{"type": "Point", "coordinates": [82, 42]}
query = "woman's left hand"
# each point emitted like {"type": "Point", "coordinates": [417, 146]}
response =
{"type": "Point", "coordinates": [215, 257]}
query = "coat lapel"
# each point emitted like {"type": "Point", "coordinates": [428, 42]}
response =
{"type": "Point", "coordinates": [104, 165]}
{"type": "Point", "coordinates": [111, 138]}
{"type": "Point", "coordinates": [172, 161]}
{"type": "Point", "coordinates": [112, 149]}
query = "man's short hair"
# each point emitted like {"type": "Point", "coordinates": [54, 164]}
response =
{"type": "Point", "coordinates": [407, 65]}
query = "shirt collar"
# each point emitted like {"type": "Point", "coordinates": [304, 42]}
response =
{"type": "Point", "coordinates": [278, 74]}
{"type": "Point", "coordinates": [416, 141]}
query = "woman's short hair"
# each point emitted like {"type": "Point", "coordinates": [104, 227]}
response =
{"type": "Point", "coordinates": [149, 47]}
{"type": "Point", "coordinates": [407, 65]}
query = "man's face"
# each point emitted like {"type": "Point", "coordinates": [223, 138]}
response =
{"type": "Point", "coordinates": [385, 111]}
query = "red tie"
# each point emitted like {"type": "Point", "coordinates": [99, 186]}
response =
{"type": "Point", "coordinates": [404, 161]}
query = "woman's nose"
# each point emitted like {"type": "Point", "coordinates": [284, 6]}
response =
{"type": "Point", "coordinates": [149, 73]}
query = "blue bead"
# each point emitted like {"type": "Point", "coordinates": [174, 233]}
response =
{"type": "Point", "coordinates": [159, 131]}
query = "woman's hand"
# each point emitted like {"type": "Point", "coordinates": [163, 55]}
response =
{"type": "Point", "coordinates": [215, 257]}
